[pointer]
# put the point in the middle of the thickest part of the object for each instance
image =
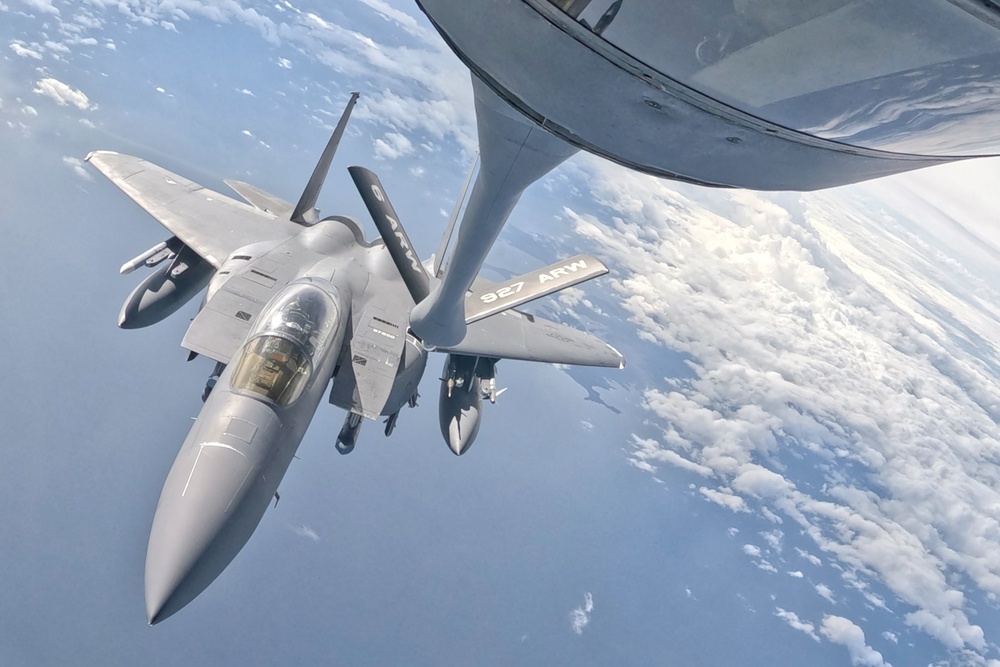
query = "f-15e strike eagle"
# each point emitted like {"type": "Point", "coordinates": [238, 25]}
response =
{"type": "Point", "coordinates": [295, 302]}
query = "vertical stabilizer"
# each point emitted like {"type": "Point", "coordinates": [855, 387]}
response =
{"type": "Point", "coordinates": [305, 212]}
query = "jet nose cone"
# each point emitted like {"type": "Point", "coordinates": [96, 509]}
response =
{"type": "Point", "coordinates": [166, 575]}
{"type": "Point", "coordinates": [200, 524]}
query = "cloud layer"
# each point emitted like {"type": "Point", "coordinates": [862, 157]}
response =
{"type": "Point", "coordinates": [825, 340]}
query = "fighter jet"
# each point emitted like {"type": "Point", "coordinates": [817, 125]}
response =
{"type": "Point", "coordinates": [294, 302]}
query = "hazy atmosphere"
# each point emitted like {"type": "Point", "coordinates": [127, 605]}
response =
{"type": "Point", "coordinates": [800, 464]}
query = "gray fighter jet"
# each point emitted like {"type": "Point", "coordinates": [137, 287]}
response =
{"type": "Point", "coordinates": [293, 302]}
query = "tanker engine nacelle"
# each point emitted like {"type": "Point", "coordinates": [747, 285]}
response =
{"type": "Point", "coordinates": [163, 292]}
{"type": "Point", "coordinates": [466, 381]}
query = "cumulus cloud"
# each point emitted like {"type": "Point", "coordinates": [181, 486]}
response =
{"type": "Point", "coordinates": [815, 560]}
{"type": "Point", "coordinates": [62, 94]}
{"type": "Point", "coordinates": [840, 630]}
{"type": "Point", "coordinates": [723, 497]}
{"type": "Point", "coordinates": [24, 51]}
{"type": "Point", "coordinates": [793, 621]}
{"type": "Point", "coordinates": [579, 618]}
{"type": "Point", "coordinates": [42, 6]}
{"type": "Point", "coordinates": [773, 539]}
{"type": "Point", "coordinates": [392, 145]}
{"type": "Point", "coordinates": [820, 342]}
{"type": "Point", "coordinates": [76, 164]}
{"type": "Point", "coordinates": [418, 88]}
{"type": "Point", "coordinates": [825, 592]}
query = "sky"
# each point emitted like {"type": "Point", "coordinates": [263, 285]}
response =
{"type": "Point", "coordinates": [798, 466]}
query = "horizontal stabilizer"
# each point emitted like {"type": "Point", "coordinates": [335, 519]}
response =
{"type": "Point", "coordinates": [261, 200]}
{"type": "Point", "coordinates": [396, 241]}
{"type": "Point", "coordinates": [498, 297]}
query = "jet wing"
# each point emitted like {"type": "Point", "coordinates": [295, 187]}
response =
{"type": "Point", "coordinates": [209, 223]}
{"type": "Point", "coordinates": [516, 335]}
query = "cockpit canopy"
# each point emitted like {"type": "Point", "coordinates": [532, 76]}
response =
{"type": "Point", "coordinates": [292, 334]}
{"type": "Point", "coordinates": [273, 367]}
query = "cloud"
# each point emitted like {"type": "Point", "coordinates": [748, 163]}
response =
{"type": "Point", "coordinates": [284, 63]}
{"type": "Point", "coordinates": [247, 91]}
{"type": "Point", "coordinates": [43, 6]}
{"type": "Point", "coordinates": [815, 560]}
{"type": "Point", "coordinates": [76, 164]}
{"type": "Point", "coordinates": [62, 94]}
{"type": "Point", "coordinates": [391, 146]}
{"type": "Point", "coordinates": [773, 539]}
{"type": "Point", "coordinates": [842, 377]}
{"type": "Point", "coordinates": [580, 617]}
{"type": "Point", "coordinates": [794, 622]}
{"type": "Point", "coordinates": [24, 51]}
{"type": "Point", "coordinates": [306, 532]}
{"type": "Point", "coordinates": [723, 497]}
{"type": "Point", "coordinates": [840, 630]}
{"type": "Point", "coordinates": [825, 592]}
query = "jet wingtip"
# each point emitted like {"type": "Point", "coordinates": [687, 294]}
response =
{"type": "Point", "coordinates": [621, 357]}
{"type": "Point", "coordinates": [92, 154]}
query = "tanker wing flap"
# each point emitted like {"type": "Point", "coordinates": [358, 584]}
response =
{"type": "Point", "coordinates": [487, 299]}
{"type": "Point", "coordinates": [211, 224]}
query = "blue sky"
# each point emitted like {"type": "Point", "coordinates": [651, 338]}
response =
{"type": "Point", "coordinates": [798, 466]}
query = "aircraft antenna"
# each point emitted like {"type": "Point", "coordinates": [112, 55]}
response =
{"type": "Point", "coordinates": [305, 211]}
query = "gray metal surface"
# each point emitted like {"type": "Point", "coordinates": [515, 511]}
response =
{"type": "Point", "coordinates": [600, 98]}
{"type": "Point", "coordinates": [288, 307]}
{"type": "Point", "coordinates": [513, 154]}
{"type": "Point", "coordinates": [212, 224]}
{"type": "Point", "coordinates": [264, 201]}
{"type": "Point", "coordinates": [484, 301]}
{"type": "Point", "coordinates": [516, 335]}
